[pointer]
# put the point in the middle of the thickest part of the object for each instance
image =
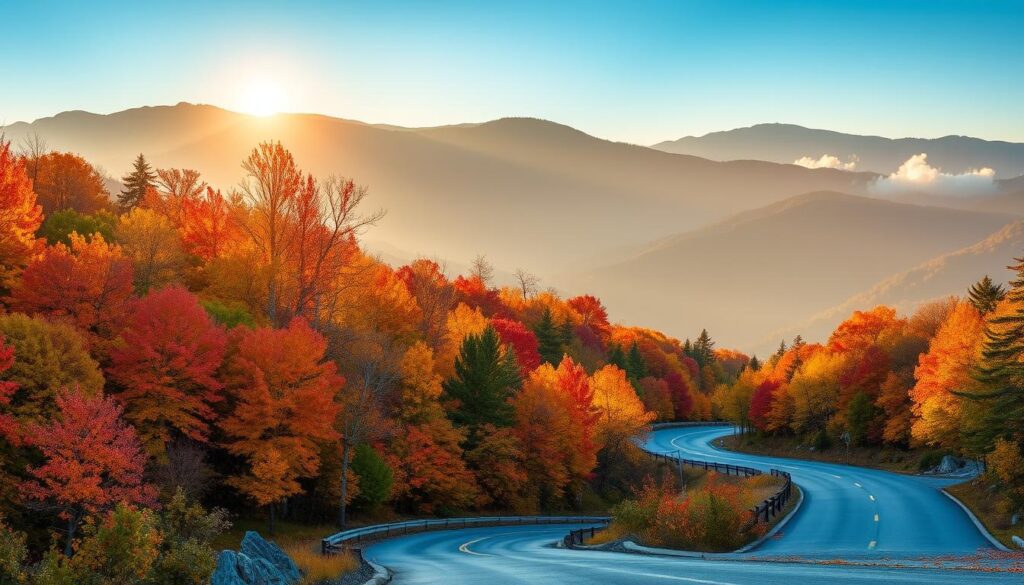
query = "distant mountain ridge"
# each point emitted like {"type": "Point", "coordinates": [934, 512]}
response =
{"type": "Point", "coordinates": [764, 270]}
{"type": "Point", "coordinates": [452, 191]}
{"type": "Point", "coordinates": [786, 143]}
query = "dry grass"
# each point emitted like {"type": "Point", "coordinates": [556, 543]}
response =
{"type": "Point", "coordinates": [987, 507]}
{"type": "Point", "coordinates": [606, 535]}
{"type": "Point", "coordinates": [317, 567]}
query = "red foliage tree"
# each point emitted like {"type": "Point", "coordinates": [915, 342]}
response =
{"type": "Point", "coordinates": [166, 366]}
{"type": "Point", "coordinates": [8, 424]}
{"type": "Point", "coordinates": [92, 461]}
{"type": "Point", "coordinates": [88, 284]}
{"type": "Point", "coordinates": [208, 229]}
{"type": "Point", "coordinates": [474, 292]}
{"type": "Point", "coordinates": [521, 339]}
{"type": "Point", "coordinates": [19, 216]}
{"type": "Point", "coordinates": [761, 403]}
{"type": "Point", "coordinates": [593, 313]}
{"type": "Point", "coordinates": [682, 394]}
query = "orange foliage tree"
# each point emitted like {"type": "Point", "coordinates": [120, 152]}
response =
{"type": "Point", "coordinates": [20, 217]}
{"type": "Point", "coordinates": [945, 369]}
{"type": "Point", "coordinates": [88, 284]}
{"type": "Point", "coordinates": [284, 396]}
{"type": "Point", "coordinates": [66, 181]}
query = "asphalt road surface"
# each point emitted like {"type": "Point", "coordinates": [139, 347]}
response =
{"type": "Point", "coordinates": [861, 516]}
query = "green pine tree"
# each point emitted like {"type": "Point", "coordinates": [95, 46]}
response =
{"type": "Point", "coordinates": [636, 367]}
{"type": "Point", "coordinates": [375, 477]}
{"type": "Point", "coordinates": [549, 339]}
{"type": "Point", "coordinates": [136, 183]}
{"type": "Point", "coordinates": [484, 381]}
{"type": "Point", "coordinates": [566, 332]}
{"type": "Point", "coordinates": [798, 362]}
{"type": "Point", "coordinates": [617, 357]}
{"type": "Point", "coordinates": [778, 353]}
{"type": "Point", "coordinates": [1001, 374]}
{"type": "Point", "coordinates": [688, 347]}
{"type": "Point", "coordinates": [985, 295]}
{"type": "Point", "coordinates": [755, 364]}
{"type": "Point", "coordinates": [704, 349]}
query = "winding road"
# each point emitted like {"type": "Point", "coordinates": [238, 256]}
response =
{"type": "Point", "coordinates": [855, 515]}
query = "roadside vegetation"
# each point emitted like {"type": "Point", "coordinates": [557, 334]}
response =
{"type": "Point", "coordinates": [711, 512]}
{"type": "Point", "coordinates": [901, 393]}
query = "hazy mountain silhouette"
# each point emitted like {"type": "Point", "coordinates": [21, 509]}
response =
{"type": "Point", "coordinates": [525, 192]}
{"type": "Point", "coordinates": [937, 278]}
{"type": "Point", "coordinates": [769, 268]}
{"type": "Point", "coordinates": [785, 143]}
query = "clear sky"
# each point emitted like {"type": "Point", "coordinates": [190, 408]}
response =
{"type": "Point", "coordinates": [633, 71]}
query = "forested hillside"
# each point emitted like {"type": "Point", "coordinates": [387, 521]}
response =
{"type": "Point", "coordinates": [184, 346]}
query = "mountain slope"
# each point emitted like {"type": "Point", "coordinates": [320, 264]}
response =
{"type": "Point", "coordinates": [525, 192]}
{"type": "Point", "coordinates": [764, 269]}
{"type": "Point", "coordinates": [785, 143]}
{"type": "Point", "coordinates": [948, 274]}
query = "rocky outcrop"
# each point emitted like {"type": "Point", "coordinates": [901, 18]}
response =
{"type": "Point", "coordinates": [259, 562]}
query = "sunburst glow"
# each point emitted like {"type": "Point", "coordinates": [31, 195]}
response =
{"type": "Point", "coordinates": [262, 97]}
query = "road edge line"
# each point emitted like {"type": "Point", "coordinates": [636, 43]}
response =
{"type": "Point", "coordinates": [750, 547]}
{"type": "Point", "coordinates": [977, 523]}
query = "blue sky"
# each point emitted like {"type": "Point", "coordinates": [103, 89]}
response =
{"type": "Point", "coordinates": [633, 71]}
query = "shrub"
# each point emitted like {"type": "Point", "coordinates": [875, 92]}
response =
{"type": "Point", "coordinates": [12, 555]}
{"type": "Point", "coordinates": [317, 567]}
{"type": "Point", "coordinates": [375, 477]}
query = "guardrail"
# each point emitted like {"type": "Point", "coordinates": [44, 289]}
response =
{"type": "Point", "coordinates": [358, 535]}
{"type": "Point", "coordinates": [764, 511]}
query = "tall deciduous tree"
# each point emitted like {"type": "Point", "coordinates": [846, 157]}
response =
{"type": "Point", "coordinates": [137, 184]}
{"type": "Point", "coordinates": [166, 367]}
{"type": "Point", "coordinates": [154, 247]}
{"type": "Point", "coordinates": [284, 394]}
{"type": "Point", "coordinates": [67, 181]}
{"type": "Point", "coordinates": [521, 340]}
{"type": "Point", "coordinates": [91, 461]}
{"type": "Point", "coordinates": [20, 217]}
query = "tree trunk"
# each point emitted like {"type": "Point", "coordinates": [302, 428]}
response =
{"type": "Point", "coordinates": [271, 520]}
{"type": "Point", "coordinates": [342, 508]}
{"type": "Point", "coordinates": [68, 550]}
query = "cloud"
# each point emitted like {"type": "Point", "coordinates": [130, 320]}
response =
{"type": "Point", "coordinates": [827, 161]}
{"type": "Point", "coordinates": [917, 175]}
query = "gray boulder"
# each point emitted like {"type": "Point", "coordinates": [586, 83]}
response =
{"type": "Point", "coordinates": [256, 547]}
{"type": "Point", "coordinates": [241, 569]}
{"type": "Point", "coordinates": [948, 465]}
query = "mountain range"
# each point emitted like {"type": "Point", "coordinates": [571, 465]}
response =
{"type": "Point", "coordinates": [787, 143]}
{"type": "Point", "coordinates": [749, 249]}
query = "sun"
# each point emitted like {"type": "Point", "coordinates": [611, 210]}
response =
{"type": "Point", "coordinates": [261, 97]}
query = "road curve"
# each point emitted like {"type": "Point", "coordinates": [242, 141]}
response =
{"type": "Point", "coordinates": [848, 511]}
{"type": "Point", "coordinates": [837, 521]}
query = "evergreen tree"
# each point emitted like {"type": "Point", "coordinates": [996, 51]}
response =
{"type": "Point", "coordinates": [798, 362]}
{"type": "Point", "coordinates": [636, 367]}
{"type": "Point", "coordinates": [859, 415]}
{"type": "Point", "coordinates": [617, 357]}
{"type": "Point", "coordinates": [688, 347]}
{"type": "Point", "coordinates": [755, 364]}
{"type": "Point", "coordinates": [1001, 374]}
{"type": "Point", "coordinates": [985, 295]}
{"type": "Point", "coordinates": [778, 353]}
{"type": "Point", "coordinates": [136, 183]}
{"type": "Point", "coordinates": [549, 339]}
{"type": "Point", "coordinates": [566, 332]}
{"type": "Point", "coordinates": [375, 477]}
{"type": "Point", "coordinates": [484, 381]}
{"type": "Point", "coordinates": [704, 349]}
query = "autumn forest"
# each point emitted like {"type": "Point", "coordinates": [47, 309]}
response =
{"type": "Point", "coordinates": [174, 356]}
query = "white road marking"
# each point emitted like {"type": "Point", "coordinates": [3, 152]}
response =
{"type": "Point", "coordinates": [876, 517]}
{"type": "Point", "coordinates": [465, 547]}
{"type": "Point", "coordinates": [857, 484]}
{"type": "Point", "coordinates": [872, 544]}
{"type": "Point", "coordinates": [870, 497]}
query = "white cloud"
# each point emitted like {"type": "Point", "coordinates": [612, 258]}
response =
{"type": "Point", "coordinates": [827, 161]}
{"type": "Point", "coordinates": [917, 175]}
